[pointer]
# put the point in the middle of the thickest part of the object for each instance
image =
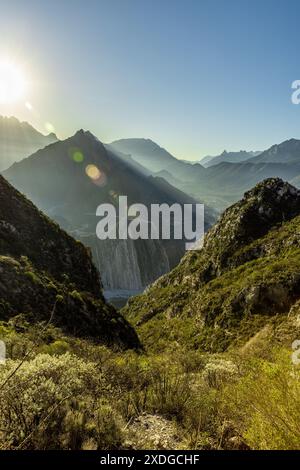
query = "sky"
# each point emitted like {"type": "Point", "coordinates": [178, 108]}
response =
{"type": "Point", "coordinates": [195, 76]}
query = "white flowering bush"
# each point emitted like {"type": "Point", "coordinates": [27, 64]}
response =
{"type": "Point", "coordinates": [51, 402]}
{"type": "Point", "coordinates": [219, 371]}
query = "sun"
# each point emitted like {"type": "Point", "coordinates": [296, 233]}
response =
{"type": "Point", "coordinates": [12, 82]}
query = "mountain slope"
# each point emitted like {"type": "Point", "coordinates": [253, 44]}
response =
{"type": "Point", "coordinates": [225, 183]}
{"type": "Point", "coordinates": [285, 152]}
{"type": "Point", "coordinates": [44, 270]}
{"type": "Point", "coordinates": [239, 177]}
{"type": "Point", "coordinates": [156, 159]}
{"type": "Point", "coordinates": [19, 140]}
{"type": "Point", "coordinates": [145, 152]}
{"type": "Point", "coordinates": [247, 273]}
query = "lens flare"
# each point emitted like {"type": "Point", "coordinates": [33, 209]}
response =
{"type": "Point", "coordinates": [93, 172]}
{"type": "Point", "coordinates": [78, 156]}
{"type": "Point", "coordinates": [97, 176]}
{"type": "Point", "coordinates": [12, 82]}
{"type": "Point", "coordinates": [49, 127]}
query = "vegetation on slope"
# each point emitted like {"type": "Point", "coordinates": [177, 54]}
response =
{"type": "Point", "coordinates": [72, 394]}
{"type": "Point", "coordinates": [247, 273]}
{"type": "Point", "coordinates": [216, 371]}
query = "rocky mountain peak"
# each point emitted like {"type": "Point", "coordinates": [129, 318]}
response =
{"type": "Point", "coordinates": [268, 204]}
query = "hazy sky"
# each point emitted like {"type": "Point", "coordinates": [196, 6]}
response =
{"type": "Point", "coordinates": [196, 76]}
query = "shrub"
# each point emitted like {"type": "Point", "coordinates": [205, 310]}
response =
{"type": "Point", "coordinates": [101, 429]}
{"type": "Point", "coordinates": [169, 394]}
{"type": "Point", "coordinates": [219, 371]}
{"type": "Point", "coordinates": [39, 396]}
{"type": "Point", "coordinates": [265, 404]}
{"type": "Point", "coordinates": [58, 347]}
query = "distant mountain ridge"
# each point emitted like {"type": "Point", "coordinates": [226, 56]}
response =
{"type": "Point", "coordinates": [71, 197]}
{"type": "Point", "coordinates": [220, 182]}
{"type": "Point", "coordinates": [230, 157]}
{"type": "Point", "coordinates": [145, 152]}
{"type": "Point", "coordinates": [285, 152]}
{"type": "Point", "coordinates": [19, 140]}
{"type": "Point", "coordinates": [159, 161]}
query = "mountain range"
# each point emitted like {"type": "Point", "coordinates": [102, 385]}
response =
{"type": "Point", "coordinates": [285, 152]}
{"type": "Point", "coordinates": [19, 140]}
{"type": "Point", "coordinates": [218, 181]}
{"type": "Point", "coordinates": [70, 196]}
{"type": "Point", "coordinates": [211, 361]}
{"type": "Point", "coordinates": [230, 157]}
{"type": "Point", "coordinates": [146, 173]}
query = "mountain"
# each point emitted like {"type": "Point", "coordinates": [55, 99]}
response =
{"type": "Point", "coordinates": [156, 159]}
{"type": "Point", "coordinates": [47, 275]}
{"type": "Point", "coordinates": [286, 152]}
{"type": "Point", "coordinates": [71, 197]}
{"type": "Point", "coordinates": [244, 278]}
{"type": "Point", "coordinates": [153, 159]}
{"type": "Point", "coordinates": [19, 140]}
{"type": "Point", "coordinates": [225, 183]}
{"type": "Point", "coordinates": [231, 157]}
{"type": "Point", "coordinates": [217, 181]}
{"type": "Point", "coordinates": [296, 181]}
{"type": "Point", "coordinates": [145, 152]}
{"type": "Point", "coordinates": [239, 177]}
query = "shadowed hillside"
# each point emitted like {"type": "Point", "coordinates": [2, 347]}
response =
{"type": "Point", "coordinates": [44, 270]}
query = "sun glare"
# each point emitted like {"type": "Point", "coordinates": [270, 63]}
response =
{"type": "Point", "coordinates": [12, 82]}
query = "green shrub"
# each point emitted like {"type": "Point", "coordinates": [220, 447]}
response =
{"type": "Point", "coordinates": [58, 347]}
{"type": "Point", "coordinates": [265, 404]}
{"type": "Point", "coordinates": [101, 429]}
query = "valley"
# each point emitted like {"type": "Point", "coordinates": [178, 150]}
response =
{"type": "Point", "coordinates": [149, 233]}
{"type": "Point", "coordinates": [181, 359]}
